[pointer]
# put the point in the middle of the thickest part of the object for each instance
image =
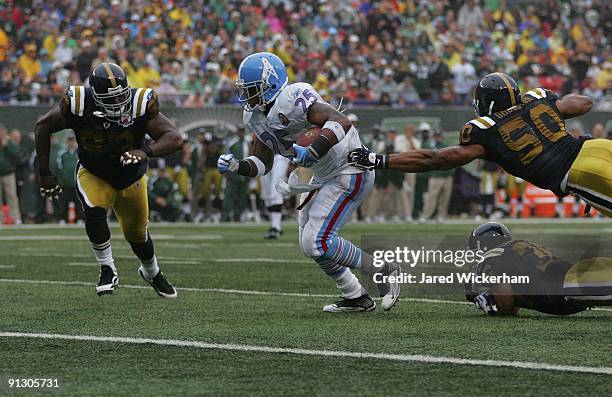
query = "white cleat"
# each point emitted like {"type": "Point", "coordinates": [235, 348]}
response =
{"type": "Point", "coordinates": [391, 296]}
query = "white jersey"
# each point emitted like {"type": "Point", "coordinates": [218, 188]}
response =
{"type": "Point", "coordinates": [287, 119]}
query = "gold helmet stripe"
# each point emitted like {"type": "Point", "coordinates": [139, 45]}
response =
{"type": "Point", "coordinates": [509, 87]}
{"type": "Point", "coordinates": [111, 76]}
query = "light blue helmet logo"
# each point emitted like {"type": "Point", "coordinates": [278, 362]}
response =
{"type": "Point", "coordinates": [261, 77]}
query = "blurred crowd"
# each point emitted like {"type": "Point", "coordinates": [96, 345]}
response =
{"type": "Point", "coordinates": [394, 53]}
{"type": "Point", "coordinates": [186, 185]}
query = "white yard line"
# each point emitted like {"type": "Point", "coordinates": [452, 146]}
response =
{"type": "Point", "coordinates": [418, 358]}
{"type": "Point", "coordinates": [169, 259]}
{"type": "Point", "coordinates": [240, 291]}
{"type": "Point", "coordinates": [84, 237]}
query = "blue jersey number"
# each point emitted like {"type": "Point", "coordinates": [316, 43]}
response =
{"type": "Point", "coordinates": [278, 136]}
{"type": "Point", "coordinates": [309, 96]}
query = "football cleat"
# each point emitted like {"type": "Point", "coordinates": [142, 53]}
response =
{"type": "Point", "coordinates": [273, 234]}
{"type": "Point", "coordinates": [390, 292]}
{"type": "Point", "coordinates": [362, 304]}
{"type": "Point", "coordinates": [159, 283]}
{"type": "Point", "coordinates": [108, 282]}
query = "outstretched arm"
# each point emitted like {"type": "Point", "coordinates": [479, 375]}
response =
{"type": "Point", "coordinates": [574, 105]}
{"type": "Point", "coordinates": [417, 160]}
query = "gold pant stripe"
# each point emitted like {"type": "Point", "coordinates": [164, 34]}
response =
{"type": "Point", "coordinates": [591, 173]}
{"type": "Point", "coordinates": [590, 272]}
{"type": "Point", "coordinates": [131, 205]}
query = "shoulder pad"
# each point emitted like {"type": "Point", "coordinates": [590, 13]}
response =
{"type": "Point", "coordinates": [246, 117]}
{"type": "Point", "coordinates": [483, 122]}
{"type": "Point", "coordinates": [74, 100]}
{"type": "Point", "coordinates": [144, 102]}
{"type": "Point", "coordinates": [537, 93]}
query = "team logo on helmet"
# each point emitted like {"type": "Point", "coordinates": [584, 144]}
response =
{"type": "Point", "coordinates": [268, 70]}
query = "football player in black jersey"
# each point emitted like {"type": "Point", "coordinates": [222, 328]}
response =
{"type": "Point", "coordinates": [525, 135]}
{"type": "Point", "coordinates": [555, 286]}
{"type": "Point", "coordinates": [110, 120]}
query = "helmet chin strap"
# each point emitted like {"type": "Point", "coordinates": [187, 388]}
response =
{"type": "Point", "coordinates": [491, 107]}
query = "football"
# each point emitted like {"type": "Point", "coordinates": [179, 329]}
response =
{"type": "Point", "coordinates": [308, 136]}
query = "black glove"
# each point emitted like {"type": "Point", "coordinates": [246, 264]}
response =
{"type": "Point", "coordinates": [365, 159]}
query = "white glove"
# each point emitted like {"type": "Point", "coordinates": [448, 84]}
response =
{"type": "Point", "coordinates": [227, 163]}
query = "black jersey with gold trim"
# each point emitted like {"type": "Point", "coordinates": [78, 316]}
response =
{"type": "Point", "coordinates": [102, 142]}
{"type": "Point", "coordinates": [528, 140]}
{"type": "Point", "coordinates": [545, 291]}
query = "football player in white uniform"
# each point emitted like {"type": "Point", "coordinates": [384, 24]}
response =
{"type": "Point", "coordinates": [277, 112]}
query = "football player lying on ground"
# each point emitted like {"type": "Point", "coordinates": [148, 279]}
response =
{"type": "Point", "coordinates": [555, 286]}
{"type": "Point", "coordinates": [526, 136]}
{"type": "Point", "coordinates": [110, 120]}
{"type": "Point", "coordinates": [277, 112]}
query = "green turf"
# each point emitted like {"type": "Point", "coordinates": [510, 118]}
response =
{"type": "Point", "coordinates": [435, 329]}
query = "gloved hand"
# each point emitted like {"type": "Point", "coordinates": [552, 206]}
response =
{"type": "Point", "coordinates": [365, 159]}
{"type": "Point", "coordinates": [49, 187]}
{"type": "Point", "coordinates": [486, 303]}
{"type": "Point", "coordinates": [303, 156]}
{"type": "Point", "coordinates": [227, 163]}
{"type": "Point", "coordinates": [135, 156]}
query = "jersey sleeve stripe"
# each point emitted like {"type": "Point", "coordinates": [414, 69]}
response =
{"type": "Point", "coordinates": [80, 100]}
{"type": "Point", "coordinates": [479, 123]}
{"type": "Point", "coordinates": [72, 99]}
{"type": "Point", "coordinates": [135, 103]}
{"type": "Point", "coordinates": [143, 102]}
{"type": "Point", "coordinates": [536, 94]}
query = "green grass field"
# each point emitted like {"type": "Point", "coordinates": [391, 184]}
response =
{"type": "Point", "coordinates": [241, 295]}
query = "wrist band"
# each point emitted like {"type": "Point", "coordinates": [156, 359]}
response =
{"type": "Point", "coordinates": [261, 168]}
{"type": "Point", "coordinates": [336, 128]}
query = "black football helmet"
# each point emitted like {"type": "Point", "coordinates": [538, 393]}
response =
{"type": "Point", "coordinates": [111, 92]}
{"type": "Point", "coordinates": [484, 237]}
{"type": "Point", "coordinates": [494, 93]}
{"type": "Point", "coordinates": [489, 235]}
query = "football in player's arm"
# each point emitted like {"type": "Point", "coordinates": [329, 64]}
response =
{"type": "Point", "coordinates": [334, 126]}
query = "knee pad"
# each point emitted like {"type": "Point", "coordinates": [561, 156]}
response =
{"type": "Point", "coordinates": [96, 225]}
{"type": "Point", "coordinates": [308, 243]}
{"type": "Point", "coordinates": [137, 236]}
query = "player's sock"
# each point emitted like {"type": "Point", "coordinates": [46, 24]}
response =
{"type": "Point", "coordinates": [348, 284]}
{"type": "Point", "coordinates": [146, 253]}
{"type": "Point", "coordinates": [104, 254]}
{"type": "Point", "coordinates": [276, 216]}
{"type": "Point", "coordinates": [98, 232]}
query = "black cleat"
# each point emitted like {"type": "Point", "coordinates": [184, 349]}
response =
{"type": "Point", "coordinates": [362, 304]}
{"type": "Point", "coordinates": [108, 282]}
{"type": "Point", "coordinates": [273, 234]}
{"type": "Point", "coordinates": [160, 284]}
